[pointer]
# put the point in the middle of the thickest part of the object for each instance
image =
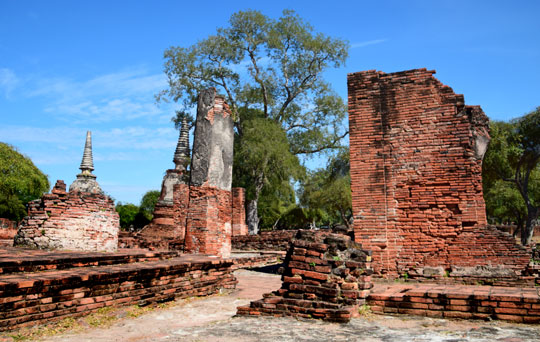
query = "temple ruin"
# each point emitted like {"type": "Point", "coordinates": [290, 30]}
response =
{"type": "Point", "coordinates": [82, 219]}
{"type": "Point", "coordinates": [416, 173]}
{"type": "Point", "coordinates": [169, 218]}
{"type": "Point", "coordinates": [199, 202]}
{"type": "Point", "coordinates": [209, 216]}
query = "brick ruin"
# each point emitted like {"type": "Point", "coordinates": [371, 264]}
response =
{"type": "Point", "coordinates": [169, 213]}
{"type": "Point", "coordinates": [82, 219]}
{"type": "Point", "coordinates": [416, 173]}
{"type": "Point", "coordinates": [200, 200]}
{"type": "Point", "coordinates": [326, 276]}
{"type": "Point", "coordinates": [209, 215]}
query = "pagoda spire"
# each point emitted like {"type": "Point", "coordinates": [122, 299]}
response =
{"type": "Point", "coordinates": [87, 163]}
{"type": "Point", "coordinates": [86, 181]}
{"type": "Point", "coordinates": [181, 154]}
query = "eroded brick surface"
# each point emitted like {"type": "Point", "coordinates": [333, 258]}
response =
{"type": "Point", "coordinates": [416, 163]}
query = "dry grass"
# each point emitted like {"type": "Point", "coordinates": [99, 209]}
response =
{"type": "Point", "coordinates": [101, 318]}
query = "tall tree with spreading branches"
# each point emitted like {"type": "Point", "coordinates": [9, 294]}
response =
{"type": "Point", "coordinates": [271, 74]}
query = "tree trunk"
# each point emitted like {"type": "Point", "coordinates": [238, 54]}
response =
{"type": "Point", "coordinates": [532, 216]}
{"type": "Point", "coordinates": [252, 207]}
{"type": "Point", "coordinates": [252, 217]}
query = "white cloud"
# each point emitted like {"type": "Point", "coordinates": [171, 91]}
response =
{"type": "Point", "coordinates": [8, 81]}
{"type": "Point", "coordinates": [127, 139]}
{"type": "Point", "coordinates": [367, 43]}
{"type": "Point", "coordinates": [125, 95]}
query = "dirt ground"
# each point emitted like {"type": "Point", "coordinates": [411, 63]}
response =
{"type": "Point", "coordinates": [211, 319]}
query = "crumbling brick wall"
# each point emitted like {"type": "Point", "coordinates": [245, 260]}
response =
{"type": "Point", "coordinates": [70, 220]}
{"type": "Point", "coordinates": [326, 276]}
{"type": "Point", "coordinates": [416, 163]}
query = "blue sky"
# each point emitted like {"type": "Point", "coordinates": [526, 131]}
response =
{"type": "Point", "coordinates": [71, 66]}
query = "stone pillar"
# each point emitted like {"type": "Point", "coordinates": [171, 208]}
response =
{"type": "Point", "coordinates": [209, 226]}
{"type": "Point", "coordinates": [239, 226]}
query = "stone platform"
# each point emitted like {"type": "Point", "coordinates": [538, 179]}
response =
{"type": "Point", "coordinates": [38, 286]}
{"type": "Point", "coordinates": [513, 304]}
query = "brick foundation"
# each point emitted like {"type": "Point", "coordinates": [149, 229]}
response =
{"type": "Point", "coordinates": [46, 296]}
{"type": "Point", "coordinates": [416, 163]}
{"type": "Point", "coordinates": [467, 302]}
{"type": "Point", "coordinates": [70, 220]}
{"type": "Point", "coordinates": [209, 222]}
{"type": "Point", "coordinates": [326, 276]}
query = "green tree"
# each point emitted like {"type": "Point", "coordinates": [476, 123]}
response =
{"type": "Point", "coordinates": [513, 156]}
{"type": "Point", "coordinates": [271, 74]}
{"type": "Point", "coordinates": [20, 182]}
{"type": "Point", "coordinates": [148, 202]}
{"type": "Point", "coordinates": [276, 200]}
{"type": "Point", "coordinates": [329, 191]}
{"type": "Point", "coordinates": [127, 213]}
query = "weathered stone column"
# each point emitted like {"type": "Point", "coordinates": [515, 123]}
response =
{"type": "Point", "coordinates": [209, 226]}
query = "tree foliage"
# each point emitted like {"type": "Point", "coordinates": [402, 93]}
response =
{"type": "Point", "coordinates": [511, 172]}
{"type": "Point", "coordinates": [127, 213]}
{"type": "Point", "coordinates": [20, 182]}
{"type": "Point", "coordinates": [136, 217]}
{"type": "Point", "coordinates": [327, 192]}
{"type": "Point", "coordinates": [271, 74]}
{"type": "Point", "coordinates": [148, 202]}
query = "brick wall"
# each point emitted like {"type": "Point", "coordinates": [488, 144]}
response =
{"type": "Point", "coordinates": [239, 226]}
{"type": "Point", "coordinates": [70, 220]}
{"type": "Point", "coordinates": [209, 222]}
{"type": "Point", "coordinates": [277, 240]}
{"type": "Point", "coordinates": [416, 163]}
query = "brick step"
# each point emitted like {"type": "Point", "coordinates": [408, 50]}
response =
{"type": "Point", "coordinates": [14, 260]}
{"type": "Point", "coordinates": [514, 304]}
{"type": "Point", "coordinates": [27, 298]}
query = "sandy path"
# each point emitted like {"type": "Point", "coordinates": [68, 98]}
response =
{"type": "Point", "coordinates": [211, 319]}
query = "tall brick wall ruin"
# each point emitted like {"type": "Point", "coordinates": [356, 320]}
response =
{"type": "Point", "coordinates": [71, 221]}
{"type": "Point", "coordinates": [416, 162]}
{"type": "Point", "coordinates": [209, 216]}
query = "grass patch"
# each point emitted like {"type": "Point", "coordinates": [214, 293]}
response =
{"type": "Point", "coordinates": [365, 311]}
